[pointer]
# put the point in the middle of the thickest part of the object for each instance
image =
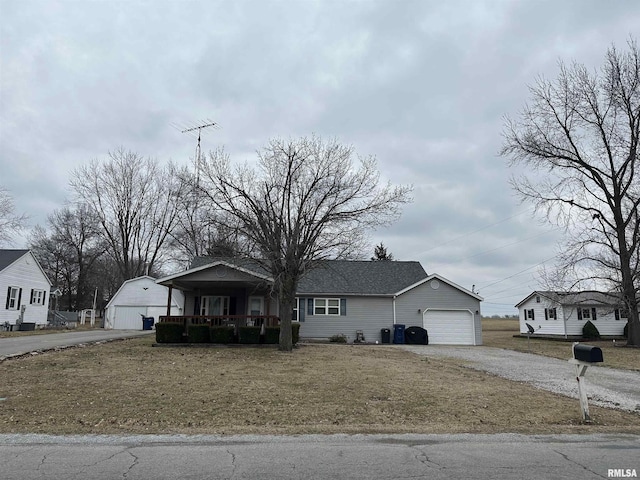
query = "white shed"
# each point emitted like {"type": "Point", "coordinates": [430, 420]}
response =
{"type": "Point", "coordinates": [140, 297]}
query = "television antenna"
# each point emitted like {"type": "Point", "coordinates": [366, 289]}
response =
{"type": "Point", "coordinates": [191, 130]}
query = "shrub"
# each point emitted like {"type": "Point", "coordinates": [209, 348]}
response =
{"type": "Point", "coordinates": [221, 334]}
{"type": "Point", "coordinates": [198, 333]}
{"type": "Point", "coordinates": [295, 332]}
{"type": "Point", "coordinates": [625, 332]}
{"type": "Point", "coordinates": [169, 332]}
{"type": "Point", "coordinates": [590, 331]}
{"type": "Point", "coordinates": [340, 338]}
{"type": "Point", "coordinates": [272, 335]}
{"type": "Point", "coordinates": [249, 335]}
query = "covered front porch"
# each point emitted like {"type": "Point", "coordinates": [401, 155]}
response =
{"type": "Point", "coordinates": [223, 294]}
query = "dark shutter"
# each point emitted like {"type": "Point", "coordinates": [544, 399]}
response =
{"type": "Point", "coordinates": [546, 314]}
{"type": "Point", "coordinates": [310, 306]}
{"type": "Point", "coordinates": [579, 314]}
{"type": "Point", "coordinates": [301, 304]}
{"type": "Point", "coordinates": [593, 314]}
{"type": "Point", "coordinates": [617, 313]}
{"type": "Point", "coordinates": [196, 306]}
{"type": "Point", "coordinates": [533, 314]}
{"type": "Point", "coordinates": [343, 306]}
{"type": "Point", "coordinates": [6, 307]}
{"type": "Point", "coordinates": [555, 314]}
{"type": "Point", "coordinates": [31, 299]}
{"type": "Point", "coordinates": [19, 298]}
{"type": "Point", "coordinates": [44, 297]}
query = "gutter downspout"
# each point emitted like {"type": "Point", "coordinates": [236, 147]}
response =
{"type": "Point", "coordinates": [394, 309]}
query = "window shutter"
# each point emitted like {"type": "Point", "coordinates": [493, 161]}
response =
{"type": "Point", "coordinates": [579, 314]}
{"type": "Point", "coordinates": [555, 314]}
{"type": "Point", "coordinates": [44, 297]}
{"type": "Point", "coordinates": [310, 306]}
{"type": "Point", "coordinates": [546, 314]}
{"type": "Point", "coordinates": [196, 306]}
{"type": "Point", "coordinates": [533, 314]}
{"type": "Point", "coordinates": [343, 306]}
{"type": "Point", "coordinates": [617, 313]}
{"type": "Point", "coordinates": [31, 299]}
{"type": "Point", "coordinates": [301, 304]}
{"type": "Point", "coordinates": [593, 314]}
{"type": "Point", "coordinates": [19, 298]}
{"type": "Point", "coordinates": [8, 298]}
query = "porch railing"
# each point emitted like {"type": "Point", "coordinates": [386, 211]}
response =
{"type": "Point", "coordinates": [224, 320]}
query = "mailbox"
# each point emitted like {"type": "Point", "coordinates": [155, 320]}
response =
{"type": "Point", "coordinates": [587, 353]}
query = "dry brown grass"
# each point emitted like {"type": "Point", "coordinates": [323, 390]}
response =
{"type": "Point", "coordinates": [500, 333]}
{"type": "Point", "coordinates": [130, 387]}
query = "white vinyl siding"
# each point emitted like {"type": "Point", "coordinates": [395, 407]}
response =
{"type": "Point", "coordinates": [26, 275]}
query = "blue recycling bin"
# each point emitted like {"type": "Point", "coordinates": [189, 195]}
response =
{"type": "Point", "coordinates": [398, 334]}
{"type": "Point", "coordinates": [147, 323]}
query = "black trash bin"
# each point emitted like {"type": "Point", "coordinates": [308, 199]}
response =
{"type": "Point", "coordinates": [147, 323]}
{"type": "Point", "coordinates": [385, 334]}
{"type": "Point", "coordinates": [398, 334]}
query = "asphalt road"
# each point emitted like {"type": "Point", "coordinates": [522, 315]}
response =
{"type": "Point", "coordinates": [434, 457]}
{"type": "Point", "coordinates": [11, 346]}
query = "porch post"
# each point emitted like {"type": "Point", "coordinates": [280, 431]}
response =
{"type": "Point", "coordinates": [169, 301]}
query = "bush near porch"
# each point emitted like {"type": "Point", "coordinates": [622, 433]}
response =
{"type": "Point", "coordinates": [172, 332]}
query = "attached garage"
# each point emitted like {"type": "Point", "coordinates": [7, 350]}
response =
{"type": "Point", "coordinates": [449, 327]}
{"type": "Point", "coordinates": [140, 297]}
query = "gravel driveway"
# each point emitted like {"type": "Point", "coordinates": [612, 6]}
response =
{"type": "Point", "coordinates": [606, 387]}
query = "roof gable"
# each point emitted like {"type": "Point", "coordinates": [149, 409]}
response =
{"type": "Point", "coordinates": [435, 276]}
{"type": "Point", "coordinates": [7, 257]}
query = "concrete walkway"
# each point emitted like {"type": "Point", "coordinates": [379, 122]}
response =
{"type": "Point", "coordinates": [16, 346]}
{"type": "Point", "coordinates": [607, 387]}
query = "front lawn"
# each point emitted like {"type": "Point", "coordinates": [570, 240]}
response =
{"type": "Point", "coordinates": [131, 387]}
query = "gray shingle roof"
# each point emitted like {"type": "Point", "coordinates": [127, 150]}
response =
{"type": "Point", "coordinates": [589, 297]}
{"type": "Point", "coordinates": [344, 276]}
{"type": "Point", "coordinates": [7, 257]}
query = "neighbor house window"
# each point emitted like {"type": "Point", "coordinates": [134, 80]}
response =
{"type": "Point", "coordinates": [584, 314]}
{"type": "Point", "coordinates": [550, 314]}
{"type": "Point", "coordinates": [326, 306]}
{"type": "Point", "coordinates": [529, 314]}
{"type": "Point", "coordinates": [13, 298]}
{"type": "Point", "coordinates": [37, 297]}
{"type": "Point", "coordinates": [621, 313]}
{"type": "Point", "coordinates": [210, 305]}
{"type": "Point", "coordinates": [296, 309]}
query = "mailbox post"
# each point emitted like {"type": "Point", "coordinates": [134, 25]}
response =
{"type": "Point", "coordinates": [583, 356]}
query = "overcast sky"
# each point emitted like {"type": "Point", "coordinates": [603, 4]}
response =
{"type": "Point", "coordinates": [422, 85]}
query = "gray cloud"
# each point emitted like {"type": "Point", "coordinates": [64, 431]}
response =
{"type": "Point", "coordinates": [423, 86]}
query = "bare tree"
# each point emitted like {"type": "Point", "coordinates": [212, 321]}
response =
{"type": "Point", "coordinates": [306, 200]}
{"type": "Point", "coordinates": [68, 252]}
{"type": "Point", "coordinates": [11, 223]}
{"type": "Point", "coordinates": [135, 201]}
{"type": "Point", "coordinates": [580, 135]}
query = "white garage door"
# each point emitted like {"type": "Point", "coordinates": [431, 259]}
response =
{"type": "Point", "coordinates": [449, 327]}
{"type": "Point", "coordinates": [129, 318]}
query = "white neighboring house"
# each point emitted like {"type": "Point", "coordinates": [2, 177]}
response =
{"type": "Point", "coordinates": [563, 314]}
{"type": "Point", "coordinates": [138, 297]}
{"type": "Point", "coordinates": [23, 284]}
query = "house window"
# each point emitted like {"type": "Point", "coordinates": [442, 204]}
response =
{"type": "Point", "coordinates": [621, 313]}
{"type": "Point", "coordinates": [326, 306]}
{"type": "Point", "coordinates": [13, 298]}
{"type": "Point", "coordinates": [586, 314]}
{"type": "Point", "coordinates": [37, 297]}
{"type": "Point", "coordinates": [296, 308]}
{"type": "Point", "coordinates": [537, 298]}
{"type": "Point", "coordinates": [550, 314]}
{"type": "Point", "coordinates": [529, 314]}
{"type": "Point", "coordinates": [212, 305]}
